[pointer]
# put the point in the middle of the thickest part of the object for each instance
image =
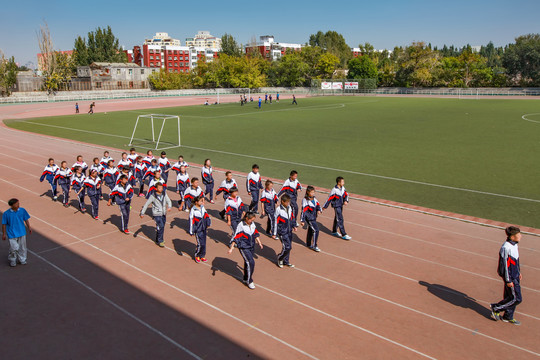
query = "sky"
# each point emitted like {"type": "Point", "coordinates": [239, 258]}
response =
{"type": "Point", "coordinates": [383, 23]}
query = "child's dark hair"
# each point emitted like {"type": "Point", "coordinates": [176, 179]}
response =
{"type": "Point", "coordinates": [110, 161]}
{"type": "Point", "coordinates": [194, 179]}
{"type": "Point", "coordinates": [79, 156]}
{"type": "Point", "coordinates": [294, 172]}
{"type": "Point", "coordinates": [233, 189]}
{"type": "Point", "coordinates": [123, 176]}
{"type": "Point", "coordinates": [139, 157]}
{"type": "Point", "coordinates": [180, 156]}
{"type": "Point", "coordinates": [105, 152]}
{"type": "Point", "coordinates": [285, 198]}
{"type": "Point", "coordinates": [63, 162]}
{"type": "Point", "coordinates": [51, 159]}
{"type": "Point", "coordinates": [77, 168]}
{"type": "Point", "coordinates": [512, 230]}
{"type": "Point", "coordinates": [13, 201]}
{"type": "Point", "coordinates": [124, 153]}
{"type": "Point", "coordinates": [249, 215]}
{"type": "Point", "coordinates": [149, 152]}
{"type": "Point", "coordinates": [308, 190]}
{"type": "Point", "coordinates": [268, 182]}
{"type": "Point", "coordinates": [205, 161]}
{"type": "Point", "coordinates": [163, 153]}
{"type": "Point", "coordinates": [154, 161]}
{"type": "Point", "coordinates": [94, 159]}
{"type": "Point", "coordinates": [255, 166]}
{"type": "Point", "coordinates": [338, 179]}
{"type": "Point", "coordinates": [227, 173]}
{"type": "Point", "coordinates": [196, 199]}
{"type": "Point", "coordinates": [159, 184]}
{"type": "Point", "coordinates": [132, 149]}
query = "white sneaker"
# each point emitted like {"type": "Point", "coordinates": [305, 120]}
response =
{"type": "Point", "coordinates": [251, 285]}
{"type": "Point", "coordinates": [186, 210]}
{"type": "Point", "coordinates": [13, 264]}
{"type": "Point", "coordinates": [336, 234]}
{"type": "Point", "coordinates": [316, 249]}
{"type": "Point", "coordinates": [346, 237]}
{"type": "Point", "coordinates": [280, 264]}
{"type": "Point", "coordinates": [290, 265]}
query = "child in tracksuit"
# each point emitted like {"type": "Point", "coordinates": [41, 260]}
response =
{"type": "Point", "coordinates": [148, 158]}
{"type": "Point", "coordinates": [80, 163]}
{"type": "Point", "coordinates": [110, 175]}
{"type": "Point", "coordinates": [225, 187]}
{"type": "Point", "coordinates": [63, 178]}
{"type": "Point", "coordinates": [77, 184]}
{"type": "Point", "coordinates": [140, 170]}
{"type": "Point", "coordinates": [509, 271]}
{"type": "Point", "coordinates": [190, 194]}
{"type": "Point", "coordinates": [310, 209]}
{"type": "Point", "coordinates": [269, 199]}
{"type": "Point", "coordinates": [105, 159]}
{"type": "Point", "coordinates": [161, 203]}
{"type": "Point", "coordinates": [164, 166]}
{"type": "Point", "coordinates": [291, 186]}
{"type": "Point", "coordinates": [182, 180]}
{"type": "Point", "coordinates": [180, 162]}
{"type": "Point", "coordinates": [122, 194]}
{"type": "Point", "coordinates": [96, 166]}
{"type": "Point", "coordinates": [124, 161]}
{"type": "Point", "coordinates": [245, 236]}
{"type": "Point", "coordinates": [254, 185]}
{"type": "Point", "coordinates": [234, 209]}
{"type": "Point", "coordinates": [157, 179]}
{"type": "Point", "coordinates": [208, 180]}
{"type": "Point", "coordinates": [151, 170]}
{"type": "Point", "coordinates": [132, 156]}
{"type": "Point", "coordinates": [338, 198]}
{"type": "Point", "coordinates": [199, 221]}
{"type": "Point", "coordinates": [93, 189]}
{"type": "Point", "coordinates": [49, 173]}
{"type": "Point", "coordinates": [284, 227]}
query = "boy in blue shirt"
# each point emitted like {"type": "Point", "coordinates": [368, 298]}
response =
{"type": "Point", "coordinates": [260, 102]}
{"type": "Point", "coordinates": [13, 221]}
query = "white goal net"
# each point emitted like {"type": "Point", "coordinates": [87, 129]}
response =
{"type": "Point", "coordinates": [157, 122]}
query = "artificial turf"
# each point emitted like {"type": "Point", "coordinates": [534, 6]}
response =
{"type": "Point", "coordinates": [481, 145]}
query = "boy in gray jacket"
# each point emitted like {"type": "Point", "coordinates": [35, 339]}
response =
{"type": "Point", "coordinates": [161, 203]}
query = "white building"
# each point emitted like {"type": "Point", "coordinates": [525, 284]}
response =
{"type": "Point", "coordinates": [162, 38]}
{"type": "Point", "coordinates": [270, 49]}
{"type": "Point", "coordinates": [204, 39]}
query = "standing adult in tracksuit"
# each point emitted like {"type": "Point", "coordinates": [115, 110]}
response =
{"type": "Point", "coordinates": [49, 173]}
{"type": "Point", "coordinates": [509, 271]}
{"type": "Point", "coordinates": [93, 190]}
{"type": "Point", "coordinates": [121, 195]}
{"type": "Point", "coordinates": [269, 199]}
{"type": "Point", "coordinates": [291, 186]}
{"type": "Point", "coordinates": [63, 179]}
{"type": "Point", "coordinates": [161, 203]}
{"type": "Point", "coordinates": [310, 209]}
{"type": "Point", "coordinates": [285, 225]}
{"type": "Point", "coordinates": [254, 185]}
{"type": "Point", "coordinates": [77, 184]}
{"type": "Point", "coordinates": [338, 198]}
{"type": "Point", "coordinates": [199, 221]}
{"type": "Point", "coordinates": [244, 237]}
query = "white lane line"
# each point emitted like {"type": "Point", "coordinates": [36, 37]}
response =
{"type": "Point", "coordinates": [524, 117]}
{"type": "Point", "coordinates": [312, 166]}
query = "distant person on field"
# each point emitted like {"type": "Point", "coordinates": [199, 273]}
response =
{"type": "Point", "coordinates": [294, 100]}
{"type": "Point", "coordinates": [92, 105]}
{"type": "Point", "coordinates": [265, 98]}
{"type": "Point", "coordinates": [270, 98]}
{"type": "Point", "coordinates": [338, 198]}
{"type": "Point", "coordinates": [277, 97]}
{"type": "Point", "coordinates": [13, 229]}
{"type": "Point", "coordinates": [76, 108]}
{"type": "Point", "coordinates": [206, 102]}
{"type": "Point", "coordinates": [260, 102]}
{"type": "Point", "coordinates": [49, 173]}
{"type": "Point", "coordinates": [241, 100]}
{"type": "Point", "coordinates": [509, 271]}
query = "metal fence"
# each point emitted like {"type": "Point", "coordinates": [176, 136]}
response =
{"type": "Point", "coordinates": [462, 93]}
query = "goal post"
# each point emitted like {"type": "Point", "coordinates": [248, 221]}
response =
{"type": "Point", "coordinates": [164, 118]}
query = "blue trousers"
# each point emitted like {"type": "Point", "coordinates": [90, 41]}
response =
{"type": "Point", "coordinates": [209, 190]}
{"type": "Point", "coordinates": [270, 222]}
{"type": "Point", "coordinates": [80, 197]}
{"type": "Point", "coordinates": [160, 227]}
{"type": "Point", "coordinates": [338, 221]}
{"type": "Point", "coordinates": [286, 244]}
{"type": "Point", "coordinates": [249, 264]}
{"type": "Point", "coordinates": [294, 207]}
{"type": "Point", "coordinates": [254, 206]}
{"type": "Point", "coordinates": [312, 233]}
{"type": "Point", "coordinates": [200, 237]}
{"type": "Point", "coordinates": [53, 188]}
{"type": "Point", "coordinates": [124, 214]}
{"type": "Point", "coordinates": [65, 191]}
{"type": "Point", "coordinates": [511, 299]}
{"type": "Point", "coordinates": [94, 200]}
{"type": "Point", "coordinates": [165, 177]}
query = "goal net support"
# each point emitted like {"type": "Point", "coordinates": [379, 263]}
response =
{"type": "Point", "coordinates": [164, 119]}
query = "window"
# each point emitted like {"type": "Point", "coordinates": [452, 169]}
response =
{"type": "Point", "coordinates": [151, 51]}
{"type": "Point", "coordinates": [119, 84]}
{"type": "Point", "coordinates": [142, 71]}
{"type": "Point", "coordinates": [118, 71]}
{"type": "Point", "coordinates": [151, 64]}
{"type": "Point", "coordinates": [98, 85]}
{"type": "Point", "coordinates": [170, 64]}
{"type": "Point", "coordinates": [157, 63]}
{"type": "Point", "coordinates": [151, 57]}
{"type": "Point", "coordinates": [170, 57]}
{"type": "Point", "coordinates": [175, 58]}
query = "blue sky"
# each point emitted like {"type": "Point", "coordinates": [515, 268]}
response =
{"type": "Point", "coordinates": [383, 23]}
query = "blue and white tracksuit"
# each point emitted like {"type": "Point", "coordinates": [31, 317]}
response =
{"type": "Point", "coordinates": [176, 167]}
{"type": "Point", "coordinates": [147, 160]}
{"type": "Point", "coordinates": [49, 173]}
{"type": "Point", "coordinates": [208, 181]}
{"type": "Point", "coordinates": [509, 271]}
{"type": "Point", "coordinates": [338, 196]}
{"type": "Point", "coordinates": [234, 207]}
{"type": "Point", "coordinates": [199, 221]}
{"type": "Point", "coordinates": [93, 190]}
{"type": "Point", "coordinates": [122, 197]}
{"type": "Point", "coordinates": [110, 175]}
{"type": "Point", "coordinates": [291, 188]}
{"type": "Point", "coordinates": [224, 188]}
{"type": "Point", "coordinates": [189, 195]}
{"type": "Point", "coordinates": [98, 167]}
{"type": "Point", "coordinates": [124, 164]}
{"type": "Point", "coordinates": [310, 208]}
{"type": "Point", "coordinates": [139, 172]}
{"type": "Point", "coordinates": [244, 237]}
{"type": "Point", "coordinates": [152, 186]}
{"type": "Point", "coordinates": [254, 185]}
{"type": "Point", "coordinates": [283, 228]}
{"type": "Point", "coordinates": [133, 158]}
{"type": "Point", "coordinates": [182, 182]}
{"type": "Point", "coordinates": [63, 178]}
{"type": "Point", "coordinates": [164, 166]}
{"type": "Point", "coordinates": [77, 184]}
{"type": "Point", "coordinates": [104, 161]}
{"type": "Point", "coordinates": [82, 165]}
{"type": "Point", "coordinates": [150, 171]}
{"type": "Point", "coordinates": [269, 200]}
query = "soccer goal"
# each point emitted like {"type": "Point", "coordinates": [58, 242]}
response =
{"type": "Point", "coordinates": [157, 120]}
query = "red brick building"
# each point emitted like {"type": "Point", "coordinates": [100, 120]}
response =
{"type": "Point", "coordinates": [271, 50]}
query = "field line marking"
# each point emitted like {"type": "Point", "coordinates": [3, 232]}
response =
{"type": "Point", "coordinates": [308, 165]}
{"type": "Point", "coordinates": [524, 117]}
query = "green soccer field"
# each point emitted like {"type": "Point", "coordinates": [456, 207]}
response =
{"type": "Point", "coordinates": [475, 157]}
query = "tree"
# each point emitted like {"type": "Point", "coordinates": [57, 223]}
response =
{"type": "Point", "coordinates": [101, 46]}
{"type": "Point", "coordinates": [291, 70]}
{"type": "Point", "coordinates": [326, 65]}
{"type": "Point", "coordinates": [362, 67]}
{"type": "Point", "coordinates": [522, 60]}
{"type": "Point", "coordinates": [416, 64]}
{"type": "Point", "coordinates": [332, 42]}
{"type": "Point", "coordinates": [8, 74]}
{"type": "Point", "coordinates": [229, 46]}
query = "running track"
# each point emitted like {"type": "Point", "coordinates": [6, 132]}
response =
{"type": "Point", "coordinates": [408, 286]}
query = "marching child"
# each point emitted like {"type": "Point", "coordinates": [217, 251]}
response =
{"type": "Point", "coordinates": [140, 171]}
{"type": "Point", "coordinates": [180, 162]}
{"type": "Point", "coordinates": [132, 156]}
{"type": "Point", "coordinates": [105, 159]}
{"type": "Point", "coordinates": [63, 178]}
{"type": "Point", "coordinates": [96, 166]}
{"type": "Point", "coordinates": [121, 195]}
{"type": "Point", "coordinates": [80, 163]}
{"type": "Point", "coordinates": [284, 227]}
{"type": "Point", "coordinates": [245, 236]}
{"type": "Point", "coordinates": [77, 184]}
{"type": "Point", "coordinates": [199, 221]}
{"type": "Point", "coordinates": [190, 194]}
{"type": "Point", "coordinates": [208, 180]}
{"type": "Point", "coordinates": [131, 179]}
{"type": "Point", "coordinates": [182, 180]}
{"type": "Point", "coordinates": [49, 173]}
{"type": "Point", "coordinates": [509, 271]}
{"type": "Point", "coordinates": [310, 209]}
{"type": "Point", "coordinates": [270, 200]}
{"type": "Point", "coordinates": [291, 186]}
{"type": "Point", "coordinates": [124, 161]}
{"type": "Point", "coordinates": [234, 209]}
{"type": "Point", "coordinates": [14, 220]}
{"type": "Point", "coordinates": [160, 205]}
{"type": "Point", "coordinates": [148, 159]}
{"type": "Point", "coordinates": [157, 179]}
{"type": "Point", "coordinates": [110, 175]}
{"type": "Point", "coordinates": [151, 170]}
{"type": "Point", "coordinates": [165, 166]}
{"type": "Point", "coordinates": [93, 187]}
{"type": "Point", "coordinates": [254, 185]}
{"type": "Point", "coordinates": [338, 198]}
{"type": "Point", "coordinates": [225, 188]}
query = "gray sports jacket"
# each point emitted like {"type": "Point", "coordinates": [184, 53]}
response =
{"type": "Point", "coordinates": [159, 207]}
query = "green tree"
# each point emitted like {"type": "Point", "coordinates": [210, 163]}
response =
{"type": "Point", "coordinates": [100, 46]}
{"type": "Point", "coordinates": [334, 43]}
{"type": "Point", "coordinates": [229, 46]}
{"type": "Point", "coordinates": [416, 64]}
{"type": "Point", "coordinates": [326, 64]}
{"type": "Point", "coordinates": [80, 52]}
{"type": "Point", "coordinates": [165, 80]}
{"type": "Point", "coordinates": [291, 70]}
{"type": "Point", "coordinates": [362, 67]}
{"type": "Point", "coordinates": [522, 60]}
{"type": "Point", "coordinates": [8, 74]}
